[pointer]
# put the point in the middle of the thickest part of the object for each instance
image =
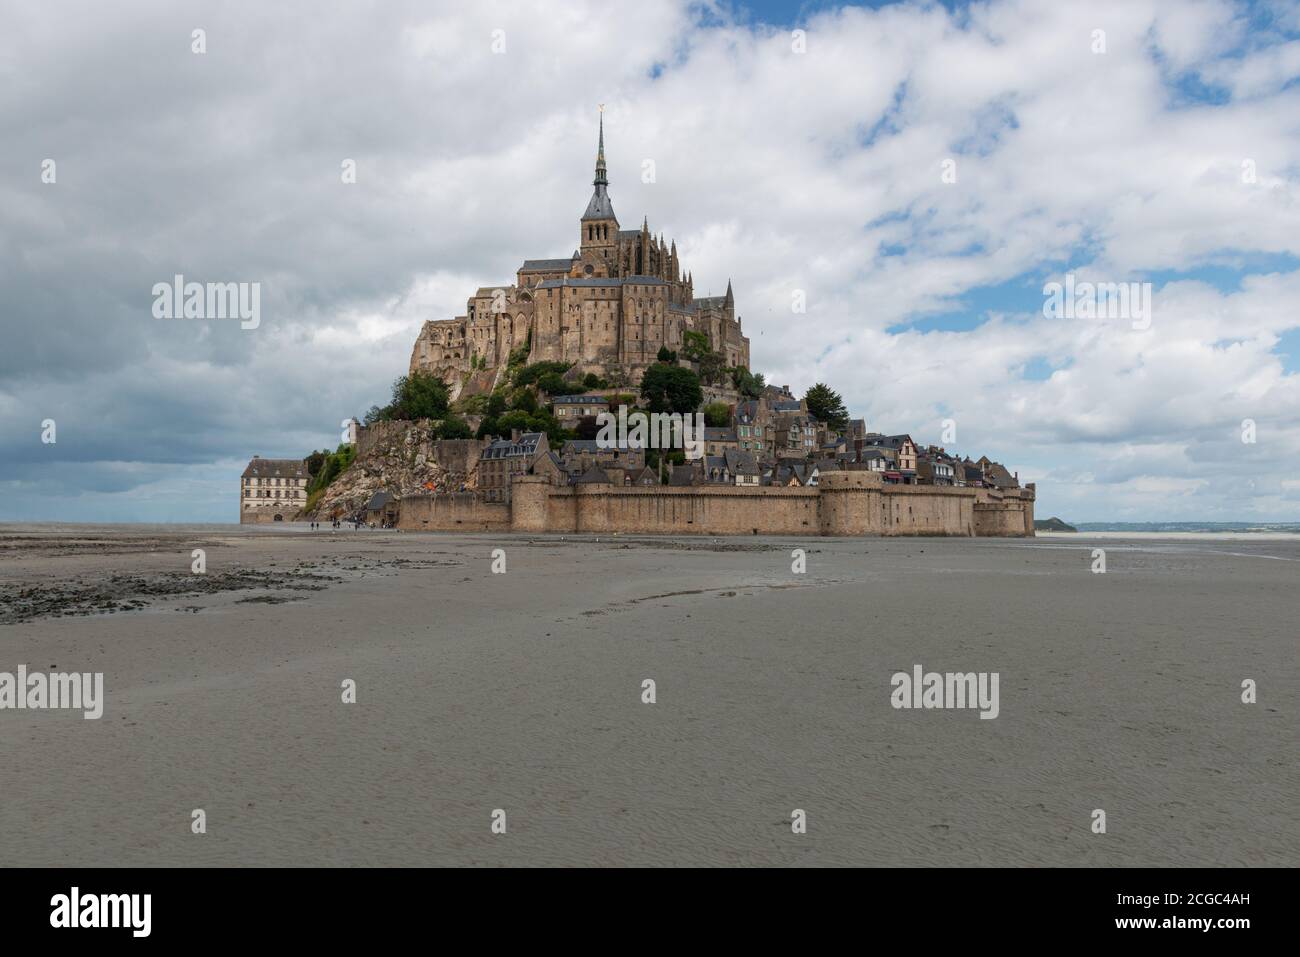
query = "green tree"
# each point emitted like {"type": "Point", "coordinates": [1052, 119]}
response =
{"type": "Point", "coordinates": [593, 381]}
{"type": "Point", "coordinates": [747, 383]}
{"type": "Point", "coordinates": [530, 374]}
{"type": "Point", "coordinates": [333, 465]}
{"type": "Point", "coordinates": [452, 427]}
{"type": "Point", "coordinates": [671, 389]}
{"type": "Point", "coordinates": [825, 404]}
{"type": "Point", "coordinates": [666, 355]}
{"type": "Point", "coordinates": [552, 383]}
{"type": "Point", "coordinates": [712, 368]}
{"type": "Point", "coordinates": [420, 395]}
{"type": "Point", "coordinates": [496, 404]}
{"type": "Point", "coordinates": [514, 419]}
{"type": "Point", "coordinates": [525, 400]}
{"type": "Point", "coordinates": [695, 345]}
{"type": "Point", "coordinates": [717, 415]}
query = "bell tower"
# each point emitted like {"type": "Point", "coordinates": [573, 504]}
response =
{"type": "Point", "coordinates": [598, 239]}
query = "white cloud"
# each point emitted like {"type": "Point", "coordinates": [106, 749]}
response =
{"type": "Point", "coordinates": [775, 169]}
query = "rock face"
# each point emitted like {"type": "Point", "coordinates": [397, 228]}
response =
{"type": "Point", "coordinates": [401, 458]}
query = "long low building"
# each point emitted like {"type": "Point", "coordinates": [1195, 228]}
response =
{"type": "Point", "coordinates": [857, 503]}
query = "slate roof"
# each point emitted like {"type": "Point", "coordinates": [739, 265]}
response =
{"type": "Point", "coordinates": [599, 207]}
{"type": "Point", "coordinates": [579, 399]}
{"type": "Point", "coordinates": [593, 476]}
{"type": "Point", "coordinates": [682, 475]}
{"type": "Point", "coordinates": [713, 434]}
{"type": "Point", "coordinates": [568, 281]}
{"type": "Point", "coordinates": [275, 468]}
{"type": "Point", "coordinates": [740, 462]}
{"type": "Point", "coordinates": [999, 477]}
{"type": "Point", "coordinates": [378, 501]}
{"type": "Point", "coordinates": [546, 265]}
{"type": "Point", "coordinates": [784, 471]}
{"type": "Point", "coordinates": [887, 441]}
{"type": "Point", "coordinates": [590, 446]}
{"type": "Point", "coordinates": [602, 282]}
{"type": "Point", "coordinates": [506, 449]}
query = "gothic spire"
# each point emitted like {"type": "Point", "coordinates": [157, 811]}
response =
{"type": "Point", "coordinates": [600, 179]}
{"type": "Point", "coordinates": [600, 207]}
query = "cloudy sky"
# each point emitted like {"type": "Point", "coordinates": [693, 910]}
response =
{"type": "Point", "coordinates": [810, 164]}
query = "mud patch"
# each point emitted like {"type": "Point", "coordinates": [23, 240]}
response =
{"type": "Point", "coordinates": [123, 593]}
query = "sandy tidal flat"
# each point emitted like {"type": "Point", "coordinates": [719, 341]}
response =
{"type": "Point", "coordinates": [523, 692]}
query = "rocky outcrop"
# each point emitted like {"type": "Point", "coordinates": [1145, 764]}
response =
{"type": "Point", "coordinates": [401, 458]}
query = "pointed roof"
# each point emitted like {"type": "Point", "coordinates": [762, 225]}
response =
{"type": "Point", "coordinates": [593, 476]}
{"type": "Point", "coordinates": [600, 207]}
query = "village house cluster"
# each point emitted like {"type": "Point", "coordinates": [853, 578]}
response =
{"type": "Point", "coordinates": [772, 441]}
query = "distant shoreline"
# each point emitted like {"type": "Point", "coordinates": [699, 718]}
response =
{"type": "Point", "coordinates": [1195, 531]}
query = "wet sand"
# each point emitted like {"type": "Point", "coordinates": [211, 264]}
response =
{"type": "Point", "coordinates": [522, 691]}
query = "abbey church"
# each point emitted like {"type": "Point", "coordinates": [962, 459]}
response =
{"type": "Point", "coordinates": [607, 309]}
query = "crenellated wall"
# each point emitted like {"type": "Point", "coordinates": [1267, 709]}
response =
{"type": "Point", "coordinates": [848, 503]}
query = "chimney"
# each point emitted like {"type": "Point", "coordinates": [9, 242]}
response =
{"type": "Point", "coordinates": [514, 435]}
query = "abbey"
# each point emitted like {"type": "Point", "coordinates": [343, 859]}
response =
{"type": "Point", "coordinates": [606, 309]}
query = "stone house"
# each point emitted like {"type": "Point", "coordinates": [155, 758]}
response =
{"type": "Point", "coordinates": [717, 441]}
{"type": "Point", "coordinates": [504, 459]}
{"type": "Point", "coordinates": [903, 456]}
{"type": "Point", "coordinates": [996, 474]}
{"type": "Point", "coordinates": [382, 510]}
{"type": "Point", "coordinates": [743, 466]}
{"type": "Point", "coordinates": [571, 409]}
{"type": "Point", "coordinates": [796, 435]}
{"type": "Point", "coordinates": [272, 490]}
{"type": "Point", "coordinates": [578, 455]}
{"type": "Point", "coordinates": [755, 431]}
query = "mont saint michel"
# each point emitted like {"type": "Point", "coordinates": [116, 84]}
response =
{"type": "Point", "coordinates": [497, 425]}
